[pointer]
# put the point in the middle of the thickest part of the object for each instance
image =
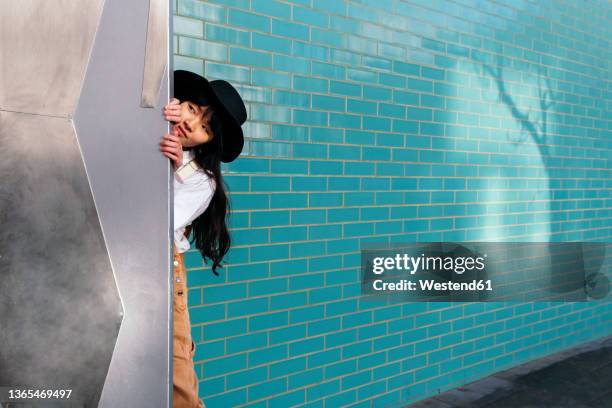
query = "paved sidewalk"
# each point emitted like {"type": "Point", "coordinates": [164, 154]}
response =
{"type": "Point", "coordinates": [580, 377]}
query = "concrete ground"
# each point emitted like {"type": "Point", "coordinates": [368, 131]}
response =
{"type": "Point", "coordinates": [579, 377]}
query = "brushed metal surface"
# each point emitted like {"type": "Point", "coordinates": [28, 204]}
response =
{"type": "Point", "coordinates": [76, 207]}
{"type": "Point", "coordinates": [59, 307]}
{"type": "Point", "coordinates": [44, 50]}
{"type": "Point", "coordinates": [131, 182]}
{"type": "Point", "coordinates": [155, 52]}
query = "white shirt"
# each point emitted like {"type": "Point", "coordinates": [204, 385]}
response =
{"type": "Point", "coordinates": [191, 198]}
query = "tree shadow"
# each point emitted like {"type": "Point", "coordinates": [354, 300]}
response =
{"type": "Point", "coordinates": [534, 127]}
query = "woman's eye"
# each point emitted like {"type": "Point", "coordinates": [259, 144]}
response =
{"type": "Point", "coordinates": [191, 108]}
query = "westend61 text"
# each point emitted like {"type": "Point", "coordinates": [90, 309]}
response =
{"type": "Point", "coordinates": [429, 284]}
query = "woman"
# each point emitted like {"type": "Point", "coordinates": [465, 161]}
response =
{"type": "Point", "coordinates": [206, 130]}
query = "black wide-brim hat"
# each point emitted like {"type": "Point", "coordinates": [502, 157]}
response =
{"type": "Point", "coordinates": [226, 100]}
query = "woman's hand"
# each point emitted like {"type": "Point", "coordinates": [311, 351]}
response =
{"type": "Point", "coordinates": [172, 148]}
{"type": "Point", "coordinates": [172, 111]}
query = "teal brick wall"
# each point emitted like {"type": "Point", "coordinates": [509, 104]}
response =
{"type": "Point", "coordinates": [393, 121]}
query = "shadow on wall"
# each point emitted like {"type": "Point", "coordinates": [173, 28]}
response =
{"type": "Point", "coordinates": [513, 122]}
{"type": "Point", "coordinates": [510, 141]}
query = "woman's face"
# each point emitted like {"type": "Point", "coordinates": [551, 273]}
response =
{"type": "Point", "coordinates": [194, 127]}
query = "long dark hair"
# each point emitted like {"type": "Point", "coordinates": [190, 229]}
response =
{"type": "Point", "coordinates": [210, 231]}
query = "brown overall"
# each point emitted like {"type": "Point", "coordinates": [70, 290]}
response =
{"type": "Point", "coordinates": [185, 387]}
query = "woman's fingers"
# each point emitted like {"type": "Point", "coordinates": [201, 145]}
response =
{"type": "Point", "coordinates": [171, 143]}
{"type": "Point", "coordinates": [173, 103]}
{"type": "Point", "coordinates": [177, 159]}
{"type": "Point", "coordinates": [172, 108]}
{"type": "Point", "coordinates": [176, 150]}
{"type": "Point", "coordinates": [172, 137]}
{"type": "Point", "coordinates": [172, 111]}
{"type": "Point", "coordinates": [173, 156]}
{"type": "Point", "coordinates": [171, 148]}
{"type": "Point", "coordinates": [172, 115]}
{"type": "Point", "coordinates": [170, 155]}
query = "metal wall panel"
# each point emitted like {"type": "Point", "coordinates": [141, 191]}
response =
{"type": "Point", "coordinates": [131, 181]}
{"type": "Point", "coordinates": [60, 311]}
{"type": "Point", "coordinates": [85, 214]}
{"type": "Point", "coordinates": [44, 52]}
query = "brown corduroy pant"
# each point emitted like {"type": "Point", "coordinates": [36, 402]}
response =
{"type": "Point", "coordinates": [185, 383]}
